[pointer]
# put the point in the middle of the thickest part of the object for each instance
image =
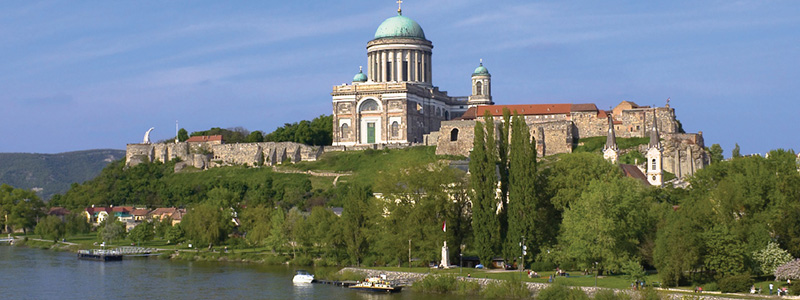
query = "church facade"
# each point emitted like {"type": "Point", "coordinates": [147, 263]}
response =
{"type": "Point", "coordinates": [395, 101]}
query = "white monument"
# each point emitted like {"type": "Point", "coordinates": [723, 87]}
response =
{"type": "Point", "coordinates": [146, 139]}
{"type": "Point", "coordinates": [445, 257]}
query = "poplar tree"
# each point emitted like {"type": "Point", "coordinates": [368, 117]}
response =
{"type": "Point", "coordinates": [483, 183]}
{"type": "Point", "coordinates": [522, 190]}
{"type": "Point", "coordinates": [503, 165]}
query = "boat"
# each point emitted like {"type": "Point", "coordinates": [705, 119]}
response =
{"type": "Point", "coordinates": [376, 284]}
{"type": "Point", "coordinates": [303, 277]}
{"type": "Point", "coordinates": [100, 255]}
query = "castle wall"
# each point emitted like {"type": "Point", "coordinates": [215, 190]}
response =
{"type": "Point", "coordinates": [206, 155]}
{"type": "Point", "coordinates": [464, 138]}
{"type": "Point", "coordinates": [557, 136]}
{"type": "Point", "coordinates": [587, 124]}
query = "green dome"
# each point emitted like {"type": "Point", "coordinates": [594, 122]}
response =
{"type": "Point", "coordinates": [360, 77]}
{"type": "Point", "coordinates": [480, 70]}
{"type": "Point", "coordinates": [399, 26]}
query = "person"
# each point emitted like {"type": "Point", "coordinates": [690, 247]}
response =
{"type": "Point", "coordinates": [469, 275]}
{"type": "Point", "coordinates": [770, 288]}
{"type": "Point", "coordinates": [695, 289]}
{"type": "Point", "coordinates": [699, 289]}
{"type": "Point", "coordinates": [752, 289]}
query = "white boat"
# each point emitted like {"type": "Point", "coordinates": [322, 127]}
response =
{"type": "Point", "coordinates": [376, 284]}
{"type": "Point", "coordinates": [303, 277]}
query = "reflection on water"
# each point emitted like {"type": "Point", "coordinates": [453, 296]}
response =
{"type": "Point", "coordinates": [44, 274]}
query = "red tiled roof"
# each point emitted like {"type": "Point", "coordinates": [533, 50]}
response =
{"type": "Point", "coordinates": [122, 209]}
{"type": "Point", "coordinates": [58, 211]}
{"type": "Point", "coordinates": [634, 172]}
{"type": "Point", "coordinates": [522, 109]}
{"type": "Point", "coordinates": [584, 107]}
{"type": "Point", "coordinates": [205, 138]}
{"type": "Point", "coordinates": [140, 212]}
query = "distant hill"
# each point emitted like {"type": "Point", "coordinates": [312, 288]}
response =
{"type": "Point", "coordinates": [54, 173]}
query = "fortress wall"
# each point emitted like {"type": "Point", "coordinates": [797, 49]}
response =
{"type": "Point", "coordinates": [637, 122]}
{"type": "Point", "coordinates": [244, 154]}
{"type": "Point", "coordinates": [587, 124]}
{"type": "Point", "coordinates": [213, 154]}
{"type": "Point", "coordinates": [557, 136]}
{"type": "Point", "coordinates": [138, 153]}
{"type": "Point", "coordinates": [464, 139]}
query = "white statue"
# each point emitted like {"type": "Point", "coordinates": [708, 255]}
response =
{"type": "Point", "coordinates": [147, 136]}
{"type": "Point", "coordinates": [445, 257]}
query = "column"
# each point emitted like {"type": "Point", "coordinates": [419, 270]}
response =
{"type": "Point", "coordinates": [424, 67]}
{"type": "Point", "coordinates": [369, 67]}
{"type": "Point", "coordinates": [382, 63]}
{"type": "Point", "coordinates": [398, 65]}
{"type": "Point", "coordinates": [428, 69]}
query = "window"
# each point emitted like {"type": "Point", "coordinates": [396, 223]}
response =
{"type": "Point", "coordinates": [405, 71]}
{"type": "Point", "coordinates": [389, 71]}
{"type": "Point", "coordinates": [345, 131]}
{"type": "Point", "coordinates": [369, 105]}
{"type": "Point", "coordinates": [395, 129]}
{"type": "Point", "coordinates": [478, 88]}
{"type": "Point", "coordinates": [653, 165]}
{"type": "Point", "coordinates": [454, 135]}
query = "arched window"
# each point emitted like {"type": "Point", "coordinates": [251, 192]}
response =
{"type": "Point", "coordinates": [369, 105]}
{"type": "Point", "coordinates": [438, 112]}
{"type": "Point", "coordinates": [345, 131]}
{"type": "Point", "coordinates": [653, 165]}
{"type": "Point", "coordinates": [454, 135]}
{"type": "Point", "coordinates": [479, 88]}
{"type": "Point", "coordinates": [395, 129]}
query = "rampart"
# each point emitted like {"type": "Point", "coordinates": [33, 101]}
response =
{"type": "Point", "coordinates": [204, 155]}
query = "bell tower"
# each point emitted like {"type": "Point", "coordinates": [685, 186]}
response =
{"type": "Point", "coordinates": [481, 87]}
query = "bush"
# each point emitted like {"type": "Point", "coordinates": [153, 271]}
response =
{"type": "Point", "coordinates": [794, 288]}
{"type": "Point", "coordinates": [711, 286]}
{"type": "Point", "coordinates": [274, 259]}
{"type": "Point", "coordinates": [541, 266]}
{"type": "Point", "coordinates": [608, 294]}
{"type": "Point", "coordinates": [561, 292]}
{"type": "Point", "coordinates": [513, 288]}
{"type": "Point", "coordinates": [649, 294]}
{"type": "Point", "coordinates": [735, 283]}
{"type": "Point", "coordinates": [467, 287]}
{"type": "Point", "coordinates": [435, 284]}
{"type": "Point", "coordinates": [302, 260]}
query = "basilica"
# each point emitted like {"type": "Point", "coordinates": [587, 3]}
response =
{"type": "Point", "coordinates": [395, 103]}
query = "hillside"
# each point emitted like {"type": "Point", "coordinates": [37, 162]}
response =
{"type": "Point", "coordinates": [53, 173]}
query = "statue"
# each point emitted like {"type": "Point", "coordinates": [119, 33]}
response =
{"type": "Point", "coordinates": [147, 136]}
{"type": "Point", "coordinates": [445, 257]}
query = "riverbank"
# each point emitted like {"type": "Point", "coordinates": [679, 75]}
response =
{"type": "Point", "coordinates": [409, 278]}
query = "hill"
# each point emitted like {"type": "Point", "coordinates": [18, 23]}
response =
{"type": "Point", "coordinates": [54, 173]}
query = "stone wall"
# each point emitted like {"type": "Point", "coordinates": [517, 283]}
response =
{"type": "Point", "coordinates": [464, 136]}
{"type": "Point", "coordinates": [209, 155]}
{"type": "Point", "coordinates": [587, 124]}
{"type": "Point", "coordinates": [557, 137]}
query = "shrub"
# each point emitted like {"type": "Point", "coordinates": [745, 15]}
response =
{"type": "Point", "coordinates": [561, 292]}
{"type": "Point", "coordinates": [513, 288]}
{"type": "Point", "coordinates": [543, 266]}
{"type": "Point", "coordinates": [274, 259]}
{"type": "Point", "coordinates": [794, 288]}
{"type": "Point", "coordinates": [302, 260]}
{"type": "Point", "coordinates": [789, 270]}
{"type": "Point", "coordinates": [467, 287]}
{"type": "Point", "coordinates": [649, 294]}
{"type": "Point", "coordinates": [607, 294]}
{"type": "Point", "coordinates": [711, 286]}
{"type": "Point", "coordinates": [435, 284]}
{"type": "Point", "coordinates": [735, 283]}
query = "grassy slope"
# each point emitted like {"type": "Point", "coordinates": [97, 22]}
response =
{"type": "Point", "coordinates": [54, 172]}
{"type": "Point", "coordinates": [595, 144]}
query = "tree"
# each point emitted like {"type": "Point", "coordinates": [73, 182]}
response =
{"type": "Point", "coordinates": [735, 152]}
{"type": "Point", "coordinates": [606, 224]}
{"type": "Point", "coordinates": [277, 239]}
{"type": "Point", "coordinates": [679, 247]}
{"type": "Point", "coordinates": [357, 221]}
{"type": "Point", "coordinates": [255, 137]}
{"type": "Point", "coordinates": [715, 153]}
{"type": "Point", "coordinates": [20, 207]}
{"type": "Point", "coordinates": [725, 252]}
{"type": "Point", "coordinates": [174, 234]}
{"type": "Point", "coordinates": [162, 226]}
{"type": "Point", "coordinates": [771, 257]}
{"type": "Point", "coordinates": [789, 270]}
{"type": "Point", "coordinates": [320, 222]}
{"type": "Point", "coordinates": [483, 183]}
{"type": "Point", "coordinates": [206, 224]}
{"type": "Point", "coordinates": [183, 135]}
{"type": "Point", "coordinates": [255, 223]}
{"type": "Point", "coordinates": [77, 224]}
{"type": "Point", "coordinates": [142, 233]}
{"type": "Point", "coordinates": [50, 227]}
{"type": "Point", "coordinates": [111, 229]}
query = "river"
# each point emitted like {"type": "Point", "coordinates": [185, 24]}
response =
{"type": "Point", "coordinates": [44, 274]}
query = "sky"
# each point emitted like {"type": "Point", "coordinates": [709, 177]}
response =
{"type": "Point", "coordinates": [77, 75]}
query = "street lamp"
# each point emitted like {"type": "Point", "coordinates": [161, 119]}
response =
{"type": "Point", "coordinates": [596, 270]}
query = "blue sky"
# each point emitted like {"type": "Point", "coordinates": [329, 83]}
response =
{"type": "Point", "coordinates": [78, 75]}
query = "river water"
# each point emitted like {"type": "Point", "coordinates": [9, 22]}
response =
{"type": "Point", "coordinates": [44, 274]}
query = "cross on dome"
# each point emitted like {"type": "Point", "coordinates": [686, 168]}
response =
{"type": "Point", "coordinates": [399, 8]}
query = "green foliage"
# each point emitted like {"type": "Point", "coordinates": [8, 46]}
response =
{"type": "Point", "coordinates": [513, 288]}
{"type": "Point", "coordinates": [715, 153]}
{"type": "Point", "coordinates": [143, 232]}
{"type": "Point", "coordinates": [357, 220]}
{"type": "Point", "coordinates": [418, 201]}
{"type": "Point", "coordinates": [735, 153]}
{"type": "Point", "coordinates": [20, 207]}
{"type": "Point", "coordinates": [174, 234]}
{"type": "Point", "coordinates": [608, 294]}
{"type": "Point", "coordinates": [483, 181]}
{"type": "Point", "coordinates": [606, 224]}
{"type": "Point", "coordinates": [277, 238]}
{"type": "Point", "coordinates": [678, 248]}
{"type": "Point", "coordinates": [633, 270]}
{"type": "Point", "coordinates": [53, 173]}
{"type": "Point", "coordinates": [771, 257]}
{"type": "Point", "coordinates": [318, 131]}
{"type": "Point", "coordinates": [649, 294]}
{"type": "Point", "coordinates": [595, 144]}
{"type": "Point", "coordinates": [560, 292]}
{"type": "Point", "coordinates": [632, 158]}
{"type": "Point", "coordinates": [183, 135]}
{"type": "Point", "coordinates": [206, 224]}
{"type": "Point", "coordinates": [255, 137]}
{"type": "Point", "coordinates": [571, 174]}
{"type": "Point", "coordinates": [77, 224]}
{"type": "Point", "coordinates": [439, 284]}
{"type": "Point", "coordinates": [51, 227]}
{"type": "Point", "coordinates": [735, 283]}
{"type": "Point", "coordinates": [111, 229]}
